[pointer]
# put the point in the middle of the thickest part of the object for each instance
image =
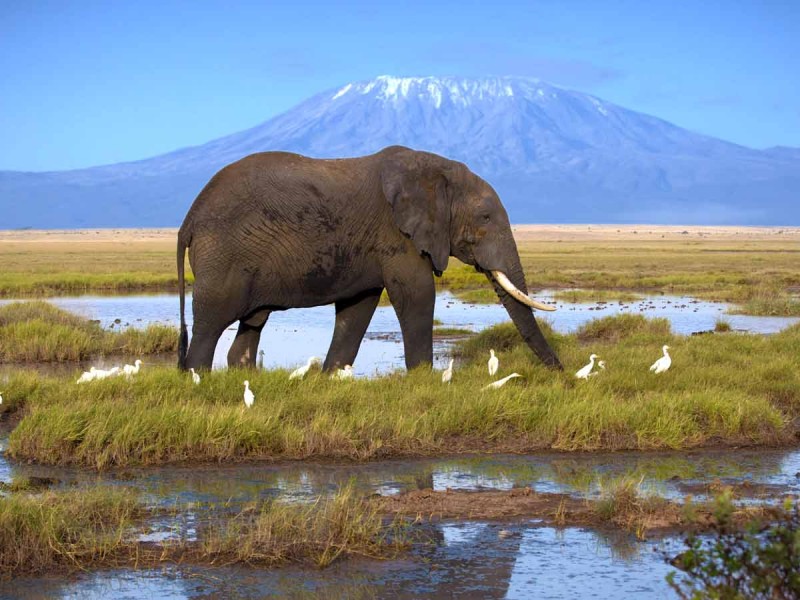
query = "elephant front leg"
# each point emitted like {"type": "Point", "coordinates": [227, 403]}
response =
{"type": "Point", "coordinates": [413, 297]}
{"type": "Point", "coordinates": [245, 346]}
{"type": "Point", "coordinates": [352, 319]}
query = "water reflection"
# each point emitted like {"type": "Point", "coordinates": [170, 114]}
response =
{"type": "Point", "coordinates": [468, 559]}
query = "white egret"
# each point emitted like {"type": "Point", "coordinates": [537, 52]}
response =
{"type": "Point", "coordinates": [101, 374]}
{"type": "Point", "coordinates": [195, 376]}
{"type": "Point", "coordinates": [447, 374]}
{"type": "Point", "coordinates": [663, 363]}
{"type": "Point", "coordinates": [583, 373]}
{"type": "Point", "coordinates": [131, 370]}
{"type": "Point", "coordinates": [260, 359]}
{"type": "Point", "coordinates": [501, 382]}
{"type": "Point", "coordinates": [249, 397]}
{"type": "Point", "coordinates": [602, 365]}
{"type": "Point", "coordinates": [300, 372]}
{"type": "Point", "coordinates": [494, 363]}
{"type": "Point", "coordinates": [344, 373]}
{"type": "Point", "coordinates": [87, 375]}
{"type": "Point", "coordinates": [1, 397]}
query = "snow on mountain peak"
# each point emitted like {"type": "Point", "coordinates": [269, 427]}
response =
{"type": "Point", "coordinates": [456, 90]}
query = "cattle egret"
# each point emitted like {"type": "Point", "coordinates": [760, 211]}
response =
{"type": "Point", "coordinates": [260, 359]}
{"type": "Point", "coordinates": [501, 382]}
{"type": "Point", "coordinates": [300, 372]}
{"type": "Point", "coordinates": [447, 374]}
{"type": "Point", "coordinates": [101, 374]}
{"type": "Point", "coordinates": [1, 397]}
{"type": "Point", "coordinates": [131, 370]}
{"type": "Point", "coordinates": [195, 377]}
{"type": "Point", "coordinates": [344, 373]}
{"type": "Point", "coordinates": [249, 398]}
{"type": "Point", "coordinates": [494, 364]}
{"type": "Point", "coordinates": [87, 375]}
{"type": "Point", "coordinates": [602, 365]}
{"type": "Point", "coordinates": [583, 373]}
{"type": "Point", "coordinates": [663, 363]}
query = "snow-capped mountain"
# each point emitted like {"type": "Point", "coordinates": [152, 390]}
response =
{"type": "Point", "coordinates": [554, 155]}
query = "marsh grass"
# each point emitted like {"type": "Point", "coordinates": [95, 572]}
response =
{"type": "Point", "coordinates": [97, 526]}
{"type": "Point", "coordinates": [65, 529]}
{"type": "Point", "coordinates": [623, 503]}
{"type": "Point", "coordinates": [584, 296]}
{"type": "Point", "coordinates": [615, 328]}
{"type": "Point", "coordinates": [320, 533]}
{"type": "Point", "coordinates": [40, 332]}
{"type": "Point", "coordinates": [742, 389]}
{"type": "Point", "coordinates": [722, 326]}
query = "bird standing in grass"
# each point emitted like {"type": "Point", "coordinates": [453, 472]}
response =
{"type": "Point", "coordinates": [87, 375]}
{"type": "Point", "coordinates": [1, 397]}
{"type": "Point", "coordinates": [130, 370]}
{"type": "Point", "coordinates": [601, 365]}
{"type": "Point", "coordinates": [195, 377]}
{"type": "Point", "coordinates": [501, 382]}
{"type": "Point", "coordinates": [663, 363]}
{"type": "Point", "coordinates": [344, 373]}
{"type": "Point", "coordinates": [584, 372]}
{"type": "Point", "coordinates": [494, 363]}
{"type": "Point", "coordinates": [249, 397]}
{"type": "Point", "coordinates": [300, 372]}
{"type": "Point", "coordinates": [447, 374]}
{"type": "Point", "coordinates": [260, 359]}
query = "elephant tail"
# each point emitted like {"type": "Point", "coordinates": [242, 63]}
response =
{"type": "Point", "coordinates": [183, 343]}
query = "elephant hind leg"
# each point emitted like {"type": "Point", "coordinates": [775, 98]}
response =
{"type": "Point", "coordinates": [352, 319]}
{"type": "Point", "coordinates": [245, 345]}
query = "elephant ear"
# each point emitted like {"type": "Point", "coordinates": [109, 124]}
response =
{"type": "Point", "coordinates": [416, 189]}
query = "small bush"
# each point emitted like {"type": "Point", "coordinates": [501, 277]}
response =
{"type": "Point", "coordinates": [761, 562]}
{"type": "Point", "coordinates": [618, 327]}
{"type": "Point", "coordinates": [722, 326]}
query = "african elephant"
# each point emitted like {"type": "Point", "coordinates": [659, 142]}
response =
{"type": "Point", "coordinates": [277, 230]}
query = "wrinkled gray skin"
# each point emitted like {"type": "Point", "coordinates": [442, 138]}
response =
{"type": "Point", "coordinates": [277, 230]}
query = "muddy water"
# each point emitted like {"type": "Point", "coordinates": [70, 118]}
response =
{"type": "Point", "coordinates": [291, 336]}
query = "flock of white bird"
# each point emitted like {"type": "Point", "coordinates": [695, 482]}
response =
{"type": "Point", "coordinates": [661, 365]}
{"type": "Point", "coordinates": [493, 366]}
{"type": "Point", "coordinates": [346, 372]}
{"type": "Point", "coordinates": [94, 374]}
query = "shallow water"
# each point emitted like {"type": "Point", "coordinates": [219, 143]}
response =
{"type": "Point", "coordinates": [461, 559]}
{"type": "Point", "coordinates": [290, 337]}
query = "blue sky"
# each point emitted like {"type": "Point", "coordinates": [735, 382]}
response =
{"type": "Point", "coordinates": [87, 83]}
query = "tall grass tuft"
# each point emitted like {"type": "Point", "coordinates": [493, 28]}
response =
{"type": "Point", "coordinates": [321, 532]}
{"type": "Point", "coordinates": [40, 332]}
{"type": "Point", "coordinates": [66, 529]}
{"type": "Point", "coordinates": [618, 327]}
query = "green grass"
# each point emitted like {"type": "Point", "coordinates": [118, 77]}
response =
{"type": "Point", "coordinates": [66, 529]}
{"type": "Point", "coordinates": [451, 331]}
{"type": "Point", "coordinates": [320, 533]}
{"type": "Point", "coordinates": [722, 326]}
{"type": "Point", "coordinates": [742, 390]}
{"type": "Point", "coordinates": [40, 332]}
{"type": "Point", "coordinates": [79, 529]}
{"type": "Point", "coordinates": [585, 296]}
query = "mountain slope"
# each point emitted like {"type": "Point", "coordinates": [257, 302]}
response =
{"type": "Point", "coordinates": [554, 155]}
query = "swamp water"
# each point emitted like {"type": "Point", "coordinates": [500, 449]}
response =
{"type": "Point", "coordinates": [468, 559]}
{"type": "Point", "coordinates": [290, 337]}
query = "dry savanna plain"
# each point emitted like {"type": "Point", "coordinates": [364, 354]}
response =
{"type": "Point", "coordinates": [725, 389]}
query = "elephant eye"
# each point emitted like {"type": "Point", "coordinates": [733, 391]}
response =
{"type": "Point", "coordinates": [486, 218]}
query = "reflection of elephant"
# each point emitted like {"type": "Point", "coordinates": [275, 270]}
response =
{"type": "Point", "coordinates": [278, 230]}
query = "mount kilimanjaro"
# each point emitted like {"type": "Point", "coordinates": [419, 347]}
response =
{"type": "Point", "coordinates": [554, 156]}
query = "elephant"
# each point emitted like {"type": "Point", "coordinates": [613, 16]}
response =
{"type": "Point", "coordinates": [277, 230]}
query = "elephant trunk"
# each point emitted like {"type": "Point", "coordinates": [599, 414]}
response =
{"type": "Point", "coordinates": [522, 316]}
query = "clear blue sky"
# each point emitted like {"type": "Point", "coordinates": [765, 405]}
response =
{"type": "Point", "coordinates": [86, 83]}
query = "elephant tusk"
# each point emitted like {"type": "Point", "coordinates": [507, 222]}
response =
{"type": "Point", "coordinates": [515, 293]}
